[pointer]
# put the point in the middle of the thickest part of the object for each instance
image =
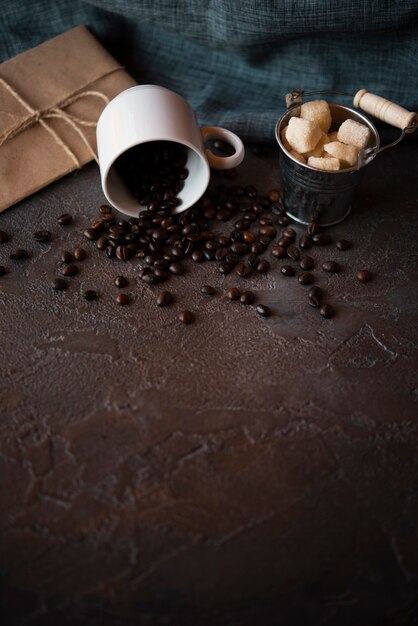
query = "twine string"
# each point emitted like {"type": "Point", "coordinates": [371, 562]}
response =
{"type": "Point", "coordinates": [56, 111]}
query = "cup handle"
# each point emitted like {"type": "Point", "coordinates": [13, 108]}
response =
{"type": "Point", "coordinates": [218, 162]}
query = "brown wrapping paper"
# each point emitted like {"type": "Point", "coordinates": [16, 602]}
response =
{"type": "Point", "coordinates": [50, 100]}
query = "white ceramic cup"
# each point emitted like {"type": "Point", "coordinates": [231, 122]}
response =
{"type": "Point", "coordinates": [149, 113]}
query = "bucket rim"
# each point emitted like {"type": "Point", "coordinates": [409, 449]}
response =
{"type": "Point", "coordinates": [346, 170]}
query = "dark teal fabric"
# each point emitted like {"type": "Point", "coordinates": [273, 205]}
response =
{"type": "Point", "coordinates": [235, 60]}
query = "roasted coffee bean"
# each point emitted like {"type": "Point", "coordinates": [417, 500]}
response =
{"type": "Point", "coordinates": [122, 253]}
{"type": "Point", "coordinates": [315, 292]}
{"type": "Point", "coordinates": [326, 310]}
{"type": "Point", "coordinates": [305, 242]}
{"type": "Point", "coordinates": [288, 270]}
{"type": "Point", "coordinates": [212, 245]}
{"type": "Point", "coordinates": [19, 254]}
{"type": "Point", "coordinates": [110, 252]}
{"type": "Point", "coordinates": [220, 254]}
{"type": "Point", "coordinates": [313, 229]}
{"type": "Point", "coordinates": [343, 244]}
{"type": "Point", "coordinates": [224, 267]}
{"type": "Point", "coordinates": [67, 257]}
{"type": "Point", "coordinates": [331, 266]}
{"type": "Point", "coordinates": [105, 209]}
{"type": "Point", "coordinates": [263, 310]}
{"type": "Point", "coordinates": [274, 195]}
{"type": "Point", "coordinates": [189, 229]}
{"type": "Point", "coordinates": [363, 276]}
{"type": "Point", "coordinates": [307, 263]}
{"type": "Point", "coordinates": [151, 258]}
{"type": "Point", "coordinates": [231, 258]}
{"type": "Point", "coordinates": [102, 243]}
{"type": "Point", "coordinates": [265, 221]}
{"type": "Point", "coordinates": [161, 263]}
{"type": "Point", "coordinates": [289, 232]}
{"type": "Point", "coordinates": [306, 278]}
{"type": "Point", "coordinates": [208, 290]}
{"type": "Point", "coordinates": [268, 231]}
{"type": "Point", "coordinates": [98, 224]}
{"type": "Point", "coordinates": [164, 298]}
{"type": "Point", "coordinates": [253, 260]}
{"type": "Point", "coordinates": [256, 208]}
{"type": "Point", "coordinates": [242, 225]}
{"type": "Point", "coordinates": [198, 256]}
{"type": "Point", "coordinates": [293, 253]}
{"type": "Point", "coordinates": [283, 242]}
{"type": "Point", "coordinates": [264, 241]}
{"type": "Point", "coordinates": [59, 284]}
{"type": "Point", "coordinates": [256, 248]}
{"type": "Point", "coordinates": [3, 236]}
{"type": "Point", "coordinates": [79, 254]}
{"type": "Point", "coordinates": [248, 236]}
{"type": "Point", "coordinates": [209, 255]}
{"type": "Point", "coordinates": [160, 234]}
{"type": "Point", "coordinates": [2, 270]}
{"type": "Point", "coordinates": [123, 299]}
{"type": "Point", "coordinates": [283, 220]}
{"type": "Point", "coordinates": [243, 270]}
{"type": "Point", "coordinates": [236, 235]}
{"type": "Point", "coordinates": [321, 239]}
{"type": "Point", "coordinates": [314, 301]}
{"type": "Point", "coordinates": [65, 219]}
{"type": "Point", "coordinates": [240, 248]}
{"type": "Point", "coordinates": [91, 234]}
{"type": "Point", "coordinates": [247, 297]}
{"type": "Point", "coordinates": [43, 236]}
{"type": "Point", "coordinates": [186, 317]}
{"type": "Point", "coordinates": [69, 270]}
{"type": "Point", "coordinates": [279, 252]}
{"type": "Point", "coordinates": [223, 241]}
{"type": "Point", "coordinates": [263, 266]}
{"type": "Point", "coordinates": [121, 281]}
{"type": "Point", "coordinates": [233, 293]}
{"type": "Point", "coordinates": [176, 268]}
{"type": "Point", "coordinates": [150, 279]}
{"type": "Point", "coordinates": [90, 294]}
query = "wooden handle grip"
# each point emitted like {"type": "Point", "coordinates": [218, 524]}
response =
{"type": "Point", "coordinates": [383, 109]}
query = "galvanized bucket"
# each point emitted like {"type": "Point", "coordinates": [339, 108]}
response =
{"type": "Point", "coordinates": [325, 197]}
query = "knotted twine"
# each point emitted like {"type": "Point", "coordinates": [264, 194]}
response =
{"type": "Point", "coordinates": [56, 111]}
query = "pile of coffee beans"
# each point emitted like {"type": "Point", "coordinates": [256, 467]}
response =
{"type": "Point", "coordinates": [234, 227]}
{"type": "Point", "coordinates": [154, 173]}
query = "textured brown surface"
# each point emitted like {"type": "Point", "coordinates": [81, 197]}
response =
{"type": "Point", "coordinates": [237, 471]}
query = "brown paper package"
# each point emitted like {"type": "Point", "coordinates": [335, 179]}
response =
{"type": "Point", "coordinates": [50, 100]}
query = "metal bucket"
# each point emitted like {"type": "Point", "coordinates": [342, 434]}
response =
{"type": "Point", "coordinates": [325, 197]}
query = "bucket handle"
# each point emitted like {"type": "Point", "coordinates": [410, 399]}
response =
{"type": "Point", "coordinates": [386, 111]}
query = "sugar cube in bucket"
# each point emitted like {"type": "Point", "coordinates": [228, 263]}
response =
{"type": "Point", "coordinates": [354, 133]}
{"type": "Point", "coordinates": [318, 112]}
{"type": "Point", "coordinates": [302, 135]}
{"type": "Point", "coordinates": [319, 148]}
{"type": "Point", "coordinates": [346, 154]}
{"type": "Point", "coordinates": [324, 163]}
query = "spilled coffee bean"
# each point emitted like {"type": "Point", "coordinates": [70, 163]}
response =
{"type": "Point", "coordinates": [43, 236]}
{"type": "Point", "coordinates": [186, 317]}
{"type": "Point", "coordinates": [263, 310]}
{"type": "Point", "coordinates": [164, 298]}
{"type": "Point", "coordinates": [331, 266]}
{"type": "Point", "coordinates": [363, 276]}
